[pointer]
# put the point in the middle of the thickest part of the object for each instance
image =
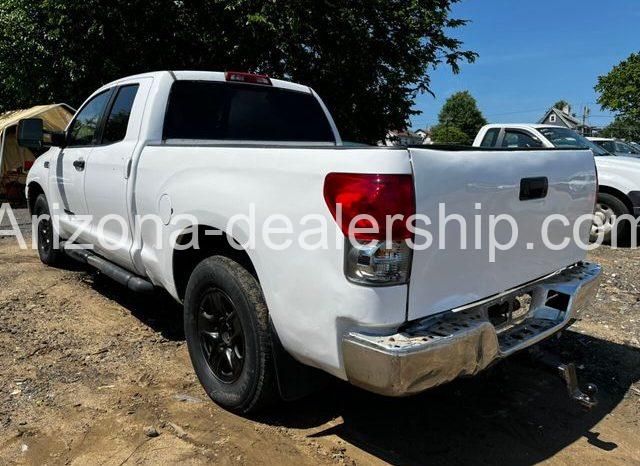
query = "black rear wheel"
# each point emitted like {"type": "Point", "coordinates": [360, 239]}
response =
{"type": "Point", "coordinates": [221, 335]}
{"type": "Point", "coordinates": [227, 331]}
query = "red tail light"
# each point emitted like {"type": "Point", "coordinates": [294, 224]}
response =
{"type": "Point", "coordinates": [249, 78]}
{"type": "Point", "coordinates": [379, 196]}
{"type": "Point", "coordinates": [28, 164]}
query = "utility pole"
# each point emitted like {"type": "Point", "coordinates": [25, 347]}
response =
{"type": "Point", "coordinates": [586, 111]}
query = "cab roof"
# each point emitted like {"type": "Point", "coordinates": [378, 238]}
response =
{"type": "Point", "coordinates": [521, 125]}
{"type": "Point", "coordinates": [187, 75]}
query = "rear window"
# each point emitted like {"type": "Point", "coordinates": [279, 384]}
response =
{"type": "Point", "coordinates": [607, 145]}
{"type": "Point", "coordinates": [243, 112]}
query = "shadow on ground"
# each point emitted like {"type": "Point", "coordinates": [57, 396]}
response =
{"type": "Point", "coordinates": [515, 413]}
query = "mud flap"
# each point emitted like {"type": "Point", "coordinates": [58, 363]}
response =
{"type": "Point", "coordinates": [295, 380]}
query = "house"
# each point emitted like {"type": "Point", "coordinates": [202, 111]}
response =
{"type": "Point", "coordinates": [402, 138]}
{"type": "Point", "coordinates": [425, 135]}
{"type": "Point", "coordinates": [564, 118]}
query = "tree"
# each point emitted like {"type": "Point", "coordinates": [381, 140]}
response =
{"type": "Point", "coordinates": [367, 58]}
{"type": "Point", "coordinates": [449, 134]}
{"type": "Point", "coordinates": [460, 110]}
{"type": "Point", "coordinates": [623, 128]}
{"type": "Point", "coordinates": [561, 104]}
{"type": "Point", "coordinates": [620, 88]}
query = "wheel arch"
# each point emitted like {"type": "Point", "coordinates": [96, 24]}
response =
{"type": "Point", "coordinates": [210, 241]}
{"type": "Point", "coordinates": [34, 189]}
{"type": "Point", "coordinates": [618, 194]}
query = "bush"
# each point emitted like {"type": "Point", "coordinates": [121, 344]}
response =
{"type": "Point", "coordinates": [449, 134]}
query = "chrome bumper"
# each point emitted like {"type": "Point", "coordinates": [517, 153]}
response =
{"type": "Point", "coordinates": [464, 341]}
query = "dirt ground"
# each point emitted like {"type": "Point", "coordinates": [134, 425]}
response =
{"type": "Point", "coordinates": [90, 373]}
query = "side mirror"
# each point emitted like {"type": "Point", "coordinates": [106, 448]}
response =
{"type": "Point", "coordinates": [31, 133]}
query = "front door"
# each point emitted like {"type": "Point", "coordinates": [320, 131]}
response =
{"type": "Point", "coordinates": [69, 167]}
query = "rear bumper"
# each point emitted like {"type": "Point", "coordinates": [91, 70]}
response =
{"type": "Point", "coordinates": [464, 341]}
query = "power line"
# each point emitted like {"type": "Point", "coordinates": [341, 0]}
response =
{"type": "Point", "coordinates": [519, 111]}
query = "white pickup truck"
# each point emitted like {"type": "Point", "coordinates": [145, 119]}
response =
{"type": "Point", "coordinates": [210, 153]}
{"type": "Point", "coordinates": [618, 176]}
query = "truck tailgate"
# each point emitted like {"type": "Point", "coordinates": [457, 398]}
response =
{"type": "Point", "coordinates": [472, 183]}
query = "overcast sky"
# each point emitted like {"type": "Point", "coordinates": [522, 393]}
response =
{"type": "Point", "coordinates": [533, 54]}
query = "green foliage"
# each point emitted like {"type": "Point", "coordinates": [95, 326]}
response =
{"type": "Point", "coordinates": [620, 89]}
{"type": "Point", "coordinates": [449, 134]}
{"type": "Point", "coordinates": [622, 127]}
{"type": "Point", "coordinates": [460, 110]}
{"type": "Point", "coordinates": [561, 104]}
{"type": "Point", "coordinates": [367, 58]}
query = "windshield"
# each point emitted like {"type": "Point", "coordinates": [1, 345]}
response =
{"type": "Point", "coordinates": [625, 148]}
{"type": "Point", "coordinates": [564, 137]}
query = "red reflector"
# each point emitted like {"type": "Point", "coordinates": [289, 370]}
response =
{"type": "Point", "coordinates": [28, 164]}
{"type": "Point", "coordinates": [380, 196]}
{"type": "Point", "coordinates": [250, 78]}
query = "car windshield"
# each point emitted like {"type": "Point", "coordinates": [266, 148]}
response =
{"type": "Point", "coordinates": [563, 137]}
{"type": "Point", "coordinates": [626, 148]}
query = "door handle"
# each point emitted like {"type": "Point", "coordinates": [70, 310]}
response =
{"type": "Point", "coordinates": [79, 164]}
{"type": "Point", "coordinates": [534, 188]}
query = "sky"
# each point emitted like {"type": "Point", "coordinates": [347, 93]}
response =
{"type": "Point", "coordinates": [534, 53]}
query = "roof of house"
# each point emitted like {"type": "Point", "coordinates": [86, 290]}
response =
{"type": "Point", "coordinates": [402, 133]}
{"type": "Point", "coordinates": [569, 120]}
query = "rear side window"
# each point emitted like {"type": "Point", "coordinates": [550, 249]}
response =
{"type": "Point", "coordinates": [115, 128]}
{"type": "Point", "coordinates": [519, 139]}
{"type": "Point", "coordinates": [490, 138]}
{"type": "Point", "coordinates": [608, 145]}
{"type": "Point", "coordinates": [243, 112]}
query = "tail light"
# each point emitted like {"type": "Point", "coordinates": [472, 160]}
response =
{"type": "Point", "coordinates": [249, 78]}
{"type": "Point", "coordinates": [28, 164]}
{"type": "Point", "coordinates": [372, 211]}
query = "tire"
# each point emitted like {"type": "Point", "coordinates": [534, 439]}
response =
{"type": "Point", "coordinates": [609, 208]}
{"type": "Point", "coordinates": [226, 325]}
{"type": "Point", "coordinates": [47, 238]}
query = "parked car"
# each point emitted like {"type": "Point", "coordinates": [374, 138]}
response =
{"type": "Point", "coordinates": [616, 147]}
{"type": "Point", "coordinates": [211, 145]}
{"type": "Point", "coordinates": [619, 177]}
{"type": "Point", "coordinates": [635, 145]}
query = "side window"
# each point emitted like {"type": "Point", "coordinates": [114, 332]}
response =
{"type": "Point", "coordinates": [490, 138]}
{"type": "Point", "coordinates": [84, 129]}
{"type": "Point", "coordinates": [552, 118]}
{"type": "Point", "coordinates": [608, 145]}
{"type": "Point", "coordinates": [116, 127]}
{"type": "Point", "coordinates": [519, 139]}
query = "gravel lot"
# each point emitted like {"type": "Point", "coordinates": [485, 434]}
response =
{"type": "Point", "coordinates": [93, 374]}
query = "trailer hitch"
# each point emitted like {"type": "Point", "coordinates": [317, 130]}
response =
{"type": "Point", "coordinates": [585, 398]}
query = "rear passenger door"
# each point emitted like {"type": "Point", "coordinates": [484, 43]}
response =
{"type": "Point", "coordinates": [108, 170]}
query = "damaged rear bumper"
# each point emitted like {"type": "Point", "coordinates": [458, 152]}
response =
{"type": "Point", "coordinates": [464, 341]}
